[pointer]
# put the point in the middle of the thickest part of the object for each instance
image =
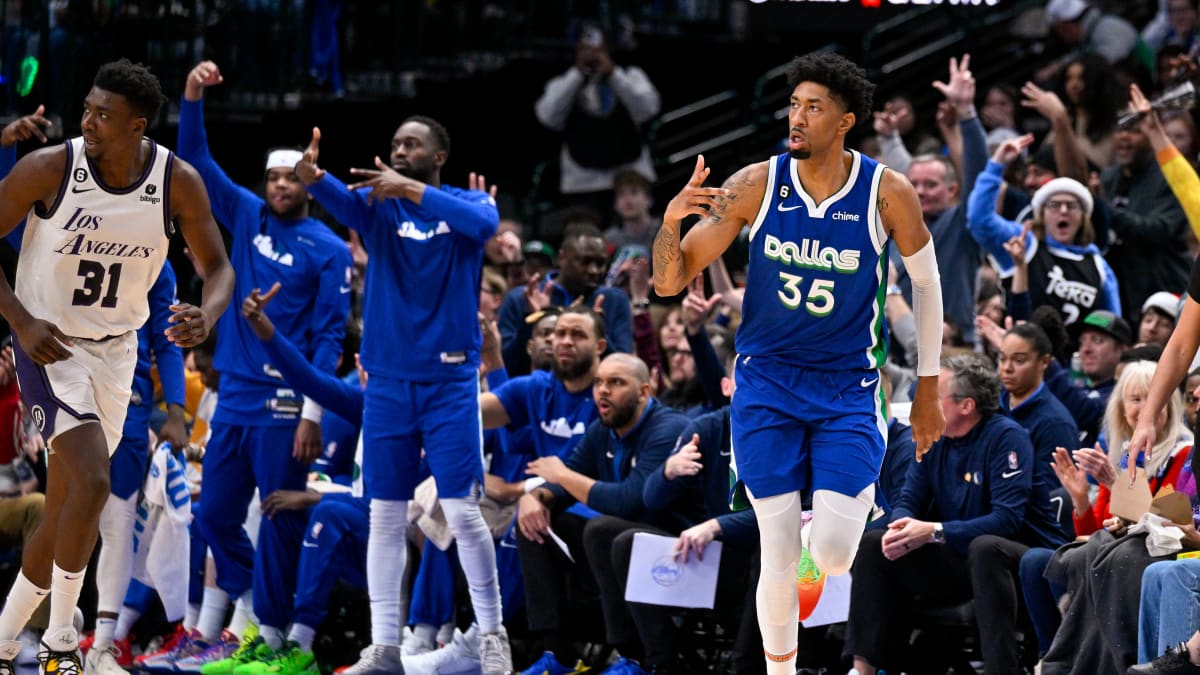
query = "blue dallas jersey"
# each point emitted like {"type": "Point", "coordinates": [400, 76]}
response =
{"type": "Point", "coordinates": [556, 418]}
{"type": "Point", "coordinates": [311, 263]}
{"type": "Point", "coordinates": [818, 272]}
{"type": "Point", "coordinates": [420, 314]}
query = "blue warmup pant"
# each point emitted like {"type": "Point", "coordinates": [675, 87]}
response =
{"type": "Point", "coordinates": [433, 590]}
{"type": "Point", "coordinates": [335, 547]}
{"type": "Point", "coordinates": [132, 456]}
{"type": "Point", "coordinates": [236, 460]}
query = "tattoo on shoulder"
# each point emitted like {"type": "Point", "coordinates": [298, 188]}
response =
{"type": "Point", "coordinates": [883, 203]}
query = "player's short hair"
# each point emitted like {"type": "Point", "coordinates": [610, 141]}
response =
{"type": "Point", "coordinates": [440, 135]}
{"type": "Point", "coordinates": [847, 82]}
{"type": "Point", "coordinates": [597, 318]}
{"type": "Point", "coordinates": [136, 83]}
{"type": "Point", "coordinates": [974, 377]}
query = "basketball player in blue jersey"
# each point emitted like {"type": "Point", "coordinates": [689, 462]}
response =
{"type": "Point", "coordinates": [807, 412]}
{"type": "Point", "coordinates": [99, 212]}
{"type": "Point", "coordinates": [421, 343]}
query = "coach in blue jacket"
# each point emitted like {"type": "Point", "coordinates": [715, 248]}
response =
{"type": "Point", "coordinates": [975, 481]}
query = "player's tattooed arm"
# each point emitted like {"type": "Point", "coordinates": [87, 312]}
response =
{"type": "Point", "coordinates": [722, 212]}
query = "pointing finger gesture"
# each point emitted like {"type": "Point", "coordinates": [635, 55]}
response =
{"type": "Point", "coordinates": [694, 199]}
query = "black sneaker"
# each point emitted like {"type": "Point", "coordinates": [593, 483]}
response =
{"type": "Point", "coordinates": [51, 662]}
{"type": "Point", "coordinates": [8, 667]}
{"type": "Point", "coordinates": [1174, 662]}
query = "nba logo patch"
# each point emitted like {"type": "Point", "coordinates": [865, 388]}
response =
{"type": "Point", "coordinates": [1012, 460]}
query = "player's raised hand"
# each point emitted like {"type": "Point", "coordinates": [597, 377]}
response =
{"type": "Point", "coordinates": [24, 128]}
{"type": "Point", "coordinates": [306, 169]}
{"type": "Point", "coordinates": [253, 309]}
{"type": "Point", "coordinates": [189, 325]}
{"type": "Point", "coordinates": [205, 74]}
{"type": "Point", "coordinates": [42, 341]}
{"type": "Point", "coordinates": [476, 182]}
{"type": "Point", "coordinates": [695, 199]}
{"type": "Point", "coordinates": [386, 183]}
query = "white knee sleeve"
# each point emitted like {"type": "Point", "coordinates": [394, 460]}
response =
{"type": "Point", "coordinates": [115, 566]}
{"type": "Point", "coordinates": [779, 536]}
{"type": "Point", "coordinates": [837, 526]}
{"type": "Point", "coordinates": [387, 550]}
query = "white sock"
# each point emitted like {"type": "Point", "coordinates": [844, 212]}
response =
{"type": "Point", "coordinates": [272, 636]}
{"type": "Point", "coordinates": [387, 551]}
{"type": "Point", "coordinates": [125, 621]}
{"type": "Point", "coordinates": [105, 630]}
{"type": "Point", "coordinates": [64, 596]}
{"type": "Point", "coordinates": [425, 633]}
{"type": "Point", "coordinates": [23, 600]}
{"type": "Point", "coordinates": [115, 565]}
{"type": "Point", "coordinates": [243, 614]}
{"type": "Point", "coordinates": [302, 635]}
{"type": "Point", "coordinates": [477, 556]}
{"type": "Point", "coordinates": [212, 612]}
{"type": "Point", "coordinates": [192, 618]}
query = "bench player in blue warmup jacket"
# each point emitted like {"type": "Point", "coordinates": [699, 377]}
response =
{"type": "Point", "coordinates": [421, 344]}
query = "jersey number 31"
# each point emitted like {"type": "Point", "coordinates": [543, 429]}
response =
{"type": "Point", "coordinates": [93, 274]}
{"type": "Point", "coordinates": [820, 294]}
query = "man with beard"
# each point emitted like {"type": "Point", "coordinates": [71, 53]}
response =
{"type": "Point", "coordinates": [264, 435]}
{"type": "Point", "coordinates": [582, 264]}
{"type": "Point", "coordinates": [421, 345]}
{"type": "Point", "coordinates": [607, 472]}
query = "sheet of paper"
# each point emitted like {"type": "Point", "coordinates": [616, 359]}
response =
{"type": "Point", "coordinates": [834, 605]}
{"type": "Point", "coordinates": [657, 578]}
{"type": "Point", "coordinates": [1130, 502]}
{"type": "Point", "coordinates": [561, 544]}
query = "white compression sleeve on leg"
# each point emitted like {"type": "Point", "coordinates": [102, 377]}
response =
{"type": "Point", "coordinates": [115, 566]}
{"type": "Point", "coordinates": [477, 556]}
{"type": "Point", "coordinates": [778, 605]}
{"type": "Point", "coordinates": [837, 526]}
{"type": "Point", "coordinates": [922, 269]}
{"type": "Point", "coordinates": [387, 550]}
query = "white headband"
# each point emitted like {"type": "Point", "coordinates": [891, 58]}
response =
{"type": "Point", "coordinates": [283, 159]}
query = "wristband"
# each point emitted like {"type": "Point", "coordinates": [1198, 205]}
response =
{"type": "Point", "coordinates": [531, 483]}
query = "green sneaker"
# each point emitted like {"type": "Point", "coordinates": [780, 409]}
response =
{"type": "Point", "coordinates": [289, 660]}
{"type": "Point", "coordinates": [256, 662]}
{"type": "Point", "coordinates": [243, 654]}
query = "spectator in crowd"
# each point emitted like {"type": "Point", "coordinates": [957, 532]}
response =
{"type": "Point", "coordinates": [1087, 29]}
{"type": "Point", "coordinates": [1149, 252]}
{"type": "Point", "coordinates": [1168, 610]}
{"type": "Point", "coordinates": [633, 195]}
{"type": "Point", "coordinates": [1159, 314]}
{"type": "Point", "coordinates": [491, 293]}
{"type": "Point", "coordinates": [607, 471]}
{"type": "Point", "coordinates": [940, 189]}
{"type": "Point", "coordinates": [579, 279]}
{"type": "Point", "coordinates": [899, 136]}
{"type": "Point", "coordinates": [1065, 268]}
{"type": "Point", "coordinates": [1000, 110]}
{"type": "Point", "coordinates": [271, 448]}
{"type": "Point", "coordinates": [1173, 25]}
{"type": "Point", "coordinates": [1103, 337]}
{"type": "Point", "coordinates": [1180, 659]}
{"type": "Point", "coordinates": [1088, 89]}
{"type": "Point", "coordinates": [929, 549]}
{"type": "Point", "coordinates": [1191, 398]}
{"type": "Point", "coordinates": [600, 109]}
{"type": "Point", "coordinates": [1177, 168]}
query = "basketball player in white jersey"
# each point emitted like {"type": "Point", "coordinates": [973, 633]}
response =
{"type": "Point", "coordinates": [99, 211]}
{"type": "Point", "coordinates": [807, 413]}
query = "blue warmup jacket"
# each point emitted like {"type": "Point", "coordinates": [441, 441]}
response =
{"type": "Point", "coordinates": [420, 314]}
{"type": "Point", "coordinates": [305, 256]}
{"type": "Point", "coordinates": [708, 489]}
{"type": "Point", "coordinates": [974, 485]}
{"type": "Point", "coordinates": [621, 466]}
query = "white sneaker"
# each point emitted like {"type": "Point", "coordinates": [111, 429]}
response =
{"type": "Point", "coordinates": [102, 662]}
{"type": "Point", "coordinates": [411, 645]}
{"type": "Point", "coordinates": [460, 657]}
{"type": "Point", "coordinates": [445, 634]}
{"type": "Point", "coordinates": [377, 660]}
{"type": "Point", "coordinates": [495, 654]}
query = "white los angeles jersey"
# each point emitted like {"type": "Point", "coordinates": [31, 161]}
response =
{"type": "Point", "coordinates": [88, 263]}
